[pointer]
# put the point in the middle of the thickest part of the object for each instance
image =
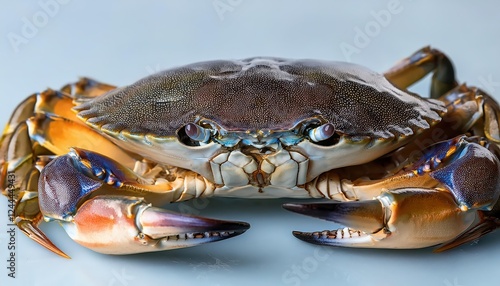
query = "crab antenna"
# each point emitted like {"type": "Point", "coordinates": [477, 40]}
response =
{"type": "Point", "coordinates": [322, 132]}
{"type": "Point", "coordinates": [198, 133]}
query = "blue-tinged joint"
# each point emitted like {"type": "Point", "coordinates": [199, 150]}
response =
{"type": "Point", "coordinates": [472, 175]}
{"type": "Point", "coordinates": [61, 188]}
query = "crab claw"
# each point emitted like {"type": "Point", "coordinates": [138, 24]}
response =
{"type": "Point", "coordinates": [125, 225]}
{"type": "Point", "coordinates": [451, 210]}
{"type": "Point", "coordinates": [361, 217]}
{"type": "Point", "coordinates": [102, 206]}
{"type": "Point", "coordinates": [404, 218]}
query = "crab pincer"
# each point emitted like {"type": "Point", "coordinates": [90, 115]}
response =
{"type": "Point", "coordinates": [85, 193]}
{"type": "Point", "coordinates": [457, 210]}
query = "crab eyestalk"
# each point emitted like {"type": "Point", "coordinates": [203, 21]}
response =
{"type": "Point", "coordinates": [321, 133]}
{"type": "Point", "coordinates": [197, 133]}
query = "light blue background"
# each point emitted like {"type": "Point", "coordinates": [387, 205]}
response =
{"type": "Point", "coordinates": [121, 41]}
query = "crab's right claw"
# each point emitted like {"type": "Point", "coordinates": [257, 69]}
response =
{"type": "Point", "coordinates": [406, 218]}
{"type": "Point", "coordinates": [459, 205]}
{"type": "Point", "coordinates": [126, 225]}
{"type": "Point", "coordinates": [93, 198]}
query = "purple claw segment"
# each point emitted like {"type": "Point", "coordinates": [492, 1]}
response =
{"type": "Point", "coordinates": [478, 192]}
{"type": "Point", "coordinates": [449, 161]}
{"type": "Point", "coordinates": [62, 186]}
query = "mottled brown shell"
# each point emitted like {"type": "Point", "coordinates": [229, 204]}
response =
{"type": "Point", "coordinates": [263, 94]}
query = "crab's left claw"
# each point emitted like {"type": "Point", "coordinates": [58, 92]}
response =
{"type": "Point", "coordinates": [102, 206]}
{"type": "Point", "coordinates": [408, 218]}
{"type": "Point", "coordinates": [459, 208]}
{"type": "Point", "coordinates": [363, 218]}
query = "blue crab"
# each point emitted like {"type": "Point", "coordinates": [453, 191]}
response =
{"type": "Point", "coordinates": [397, 170]}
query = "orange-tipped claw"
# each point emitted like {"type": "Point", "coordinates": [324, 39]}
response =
{"type": "Point", "coordinates": [33, 232]}
{"type": "Point", "coordinates": [28, 217]}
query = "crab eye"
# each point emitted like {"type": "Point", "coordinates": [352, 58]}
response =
{"type": "Point", "coordinates": [194, 135]}
{"type": "Point", "coordinates": [323, 134]}
{"type": "Point", "coordinates": [197, 133]}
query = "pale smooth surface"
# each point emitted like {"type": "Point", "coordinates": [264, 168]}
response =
{"type": "Point", "coordinates": [121, 41]}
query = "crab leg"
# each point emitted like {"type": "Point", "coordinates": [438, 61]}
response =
{"type": "Point", "coordinates": [94, 187]}
{"type": "Point", "coordinates": [9, 150]}
{"type": "Point", "coordinates": [86, 88]}
{"type": "Point", "coordinates": [20, 184]}
{"type": "Point", "coordinates": [24, 148]}
{"type": "Point", "coordinates": [102, 206]}
{"type": "Point", "coordinates": [45, 129]}
{"type": "Point", "coordinates": [23, 137]}
{"type": "Point", "coordinates": [424, 61]}
{"type": "Point", "coordinates": [469, 108]}
{"type": "Point", "coordinates": [17, 144]}
{"type": "Point", "coordinates": [399, 215]}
